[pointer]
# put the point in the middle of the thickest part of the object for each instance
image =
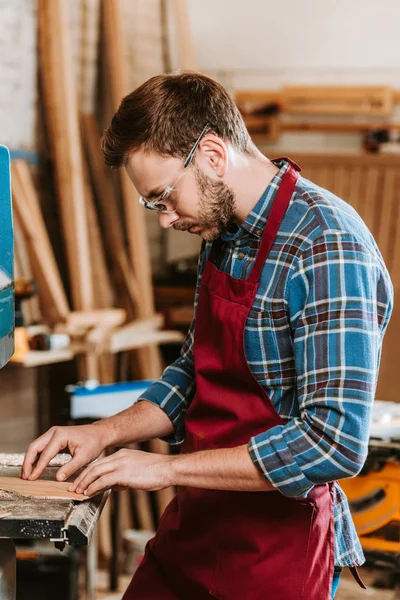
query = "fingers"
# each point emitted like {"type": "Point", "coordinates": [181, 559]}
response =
{"type": "Point", "coordinates": [33, 451]}
{"type": "Point", "coordinates": [54, 446]}
{"type": "Point", "coordinates": [78, 461]}
{"type": "Point", "coordinates": [100, 485]}
{"type": "Point", "coordinates": [94, 471]}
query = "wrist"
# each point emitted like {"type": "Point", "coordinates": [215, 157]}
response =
{"type": "Point", "coordinates": [172, 470]}
{"type": "Point", "coordinates": [106, 432]}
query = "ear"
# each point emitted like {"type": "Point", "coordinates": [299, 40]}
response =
{"type": "Point", "coordinates": [213, 155]}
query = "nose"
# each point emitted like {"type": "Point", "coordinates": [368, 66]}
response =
{"type": "Point", "coordinates": [167, 219]}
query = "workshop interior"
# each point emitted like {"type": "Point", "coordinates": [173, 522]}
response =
{"type": "Point", "coordinates": [96, 299]}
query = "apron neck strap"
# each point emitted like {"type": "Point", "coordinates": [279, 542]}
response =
{"type": "Point", "coordinates": [274, 220]}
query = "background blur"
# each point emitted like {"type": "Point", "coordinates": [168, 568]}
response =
{"type": "Point", "coordinates": [102, 293]}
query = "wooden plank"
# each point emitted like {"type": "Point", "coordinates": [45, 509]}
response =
{"type": "Point", "coordinates": [336, 126]}
{"type": "Point", "coordinates": [27, 207]}
{"type": "Point", "coordinates": [149, 358]}
{"type": "Point", "coordinates": [323, 177]}
{"type": "Point", "coordinates": [101, 282]}
{"type": "Point", "coordinates": [23, 270]}
{"type": "Point", "coordinates": [367, 207]}
{"type": "Point", "coordinates": [340, 182]}
{"type": "Point", "coordinates": [89, 33]}
{"type": "Point", "coordinates": [105, 318]}
{"type": "Point", "coordinates": [338, 100]}
{"type": "Point", "coordinates": [184, 39]}
{"type": "Point", "coordinates": [387, 208]}
{"type": "Point", "coordinates": [60, 95]}
{"type": "Point", "coordinates": [356, 178]}
{"type": "Point", "coordinates": [112, 227]}
{"type": "Point", "coordinates": [40, 488]}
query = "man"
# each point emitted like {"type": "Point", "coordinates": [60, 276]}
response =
{"type": "Point", "coordinates": [271, 396]}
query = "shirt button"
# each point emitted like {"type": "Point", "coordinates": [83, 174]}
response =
{"type": "Point", "coordinates": [258, 232]}
{"type": "Point", "coordinates": [240, 256]}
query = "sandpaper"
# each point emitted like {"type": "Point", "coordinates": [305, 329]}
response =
{"type": "Point", "coordinates": [41, 488]}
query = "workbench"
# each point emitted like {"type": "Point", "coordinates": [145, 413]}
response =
{"type": "Point", "coordinates": [60, 521]}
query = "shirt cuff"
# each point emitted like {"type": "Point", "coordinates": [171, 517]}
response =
{"type": "Point", "coordinates": [173, 404]}
{"type": "Point", "coordinates": [271, 455]}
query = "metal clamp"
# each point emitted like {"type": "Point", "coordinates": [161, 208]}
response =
{"type": "Point", "coordinates": [61, 541]}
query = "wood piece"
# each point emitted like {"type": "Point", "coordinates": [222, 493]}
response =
{"type": "Point", "coordinates": [251, 101]}
{"type": "Point", "coordinates": [112, 227]}
{"type": "Point", "coordinates": [4, 513]}
{"type": "Point", "coordinates": [149, 358]}
{"type": "Point", "coordinates": [186, 53]}
{"type": "Point", "coordinates": [101, 281]}
{"type": "Point", "coordinates": [338, 100]}
{"type": "Point", "coordinates": [389, 206]}
{"type": "Point", "coordinates": [26, 204]}
{"type": "Point", "coordinates": [90, 31]}
{"type": "Point", "coordinates": [41, 488]}
{"type": "Point", "coordinates": [104, 318]}
{"type": "Point", "coordinates": [374, 193]}
{"type": "Point", "coordinates": [124, 339]}
{"type": "Point", "coordinates": [367, 210]}
{"type": "Point", "coordinates": [39, 358]}
{"type": "Point", "coordinates": [23, 270]}
{"type": "Point", "coordinates": [60, 95]}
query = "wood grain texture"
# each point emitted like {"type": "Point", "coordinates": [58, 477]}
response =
{"type": "Point", "coordinates": [27, 208]}
{"type": "Point", "coordinates": [61, 102]}
{"type": "Point", "coordinates": [41, 488]}
{"type": "Point", "coordinates": [370, 184]}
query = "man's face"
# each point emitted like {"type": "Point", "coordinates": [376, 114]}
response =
{"type": "Point", "coordinates": [203, 204]}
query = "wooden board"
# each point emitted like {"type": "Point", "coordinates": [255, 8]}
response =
{"type": "Point", "coordinates": [112, 227]}
{"type": "Point", "coordinates": [4, 513]}
{"type": "Point", "coordinates": [27, 208]}
{"type": "Point", "coordinates": [41, 488]}
{"type": "Point", "coordinates": [61, 103]}
{"type": "Point", "coordinates": [338, 100]}
{"type": "Point", "coordinates": [183, 36]}
{"type": "Point", "coordinates": [370, 183]}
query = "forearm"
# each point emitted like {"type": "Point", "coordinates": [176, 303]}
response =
{"type": "Point", "coordinates": [142, 421]}
{"type": "Point", "coordinates": [220, 469]}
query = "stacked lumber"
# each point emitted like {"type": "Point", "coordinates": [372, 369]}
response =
{"type": "Point", "coordinates": [106, 304]}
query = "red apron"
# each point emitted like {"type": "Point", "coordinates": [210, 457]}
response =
{"type": "Point", "coordinates": [236, 545]}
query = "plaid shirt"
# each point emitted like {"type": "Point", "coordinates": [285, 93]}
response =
{"type": "Point", "coordinates": [312, 340]}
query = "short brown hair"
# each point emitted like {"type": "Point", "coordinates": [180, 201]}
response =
{"type": "Point", "coordinates": [167, 113]}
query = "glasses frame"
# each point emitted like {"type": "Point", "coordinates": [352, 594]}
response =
{"type": "Point", "coordinates": [157, 204]}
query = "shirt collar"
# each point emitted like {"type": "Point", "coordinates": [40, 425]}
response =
{"type": "Point", "coordinates": [256, 219]}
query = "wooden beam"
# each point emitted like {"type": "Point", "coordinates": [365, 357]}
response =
{"type": "Point", "coordinates": [150, 360]}
{"type": "Point", "coordinates": [112, 227]}
{"type": "Point", "coordinates": [186, 53]}
{"type": "Point", "coordinates": [60, 95]}
{"type": "Point", "coordinates": [30, 217]}
{"type": "Point", "coordinates": [338, 100]}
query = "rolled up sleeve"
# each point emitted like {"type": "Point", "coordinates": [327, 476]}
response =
{"type": "Point", "coordinates": [340, 299]}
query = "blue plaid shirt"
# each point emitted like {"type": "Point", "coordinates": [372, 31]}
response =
{"type": "Point", "coordinates": [313, 341]}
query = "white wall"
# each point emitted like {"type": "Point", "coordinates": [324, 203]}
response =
{"type": "Point", "coordinates": [332, 39]}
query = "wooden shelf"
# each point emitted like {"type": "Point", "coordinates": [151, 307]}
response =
{"type": "Point", "coordinates": [37, 358]}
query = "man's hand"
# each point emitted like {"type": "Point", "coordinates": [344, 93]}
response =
{"type": "Point", "coordinates": [85, 443]}
{"type": "Point", "coordinates": [125, 469]}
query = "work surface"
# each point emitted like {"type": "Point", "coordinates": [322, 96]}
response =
{"type": "Point", "coordinates": [33, 518]}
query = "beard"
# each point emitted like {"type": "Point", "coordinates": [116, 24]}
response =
{"type": "Point", "coordinates": [216, 208]}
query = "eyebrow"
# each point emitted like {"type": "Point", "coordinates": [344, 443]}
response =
{"type": "Point", "coordinates": [155, 192]}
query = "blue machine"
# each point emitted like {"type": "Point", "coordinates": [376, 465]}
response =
{"type": "Point", "coordinates": [6, 261]}
{"type": "Point", "coordinates": [93, 401]}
